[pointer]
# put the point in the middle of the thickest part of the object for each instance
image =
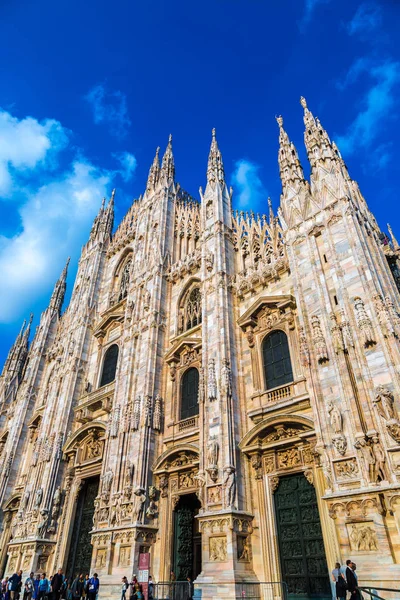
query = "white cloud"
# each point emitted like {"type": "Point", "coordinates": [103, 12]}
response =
{"type": "Point", "coordinates": [24, 144]}
{"type": "Point", "coordinates": [309, 7]}
{"type": "Point", "coordinates": [248, 185]}
{"type": "Point", "coordinates": [128, 164]}
{"type": "Point", "coordinates": [109, 108]}
{"type": "Point", "coordinates": [55, 221]}
{"type": "Point", "coordinates": [367, 18]}
{"type": "Point", "coordinates": [378, 104]}
{"type": "Point", "coordinates": [56, 208]}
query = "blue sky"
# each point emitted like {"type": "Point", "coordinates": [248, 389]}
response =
{"type": "Point", "coordinates": [89, 89]}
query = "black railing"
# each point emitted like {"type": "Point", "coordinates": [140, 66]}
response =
{"type": "Point", "coordinates": [184, 590]}
{"type": "Point", "coordinates": [374, 593]}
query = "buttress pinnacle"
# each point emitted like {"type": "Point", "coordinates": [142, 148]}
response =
{"type": "Point", "coordinates": [215, 167]}
{"type": "Point", "coordinates": [57, 297]}
{"type": "Point", "coordinates": [154, 172]}
{"type": "Point", "coordinates": [316, 139]}
{"type": "Point", "coordinates": [168, 165]}
{"type": "Point", "coordinates": [288, 159]}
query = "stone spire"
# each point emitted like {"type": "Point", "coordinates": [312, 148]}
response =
{"type": "Point", "coordinates": [168, 165]}
{"type": "Point", "coordinates": [17, 355]}
{"type": "Point", "coordinates": [271, 215]}
{"type": "Point", "coordinates": [395, 243]}
{"type": "Point", "coordinates": [57, 297]}
{"type": "Point", "coordinates": [317, 142]}
{"type": "Point", "coordinates": [154, 172]}
{"type": "Point", "coordinates": [215, 167]}
{"type": "Point", "coordinates": [289, 164]}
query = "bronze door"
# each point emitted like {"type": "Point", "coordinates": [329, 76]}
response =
{"type": "Point", "coordinates": [80, 552]}
{"type": "Point", "coordinates": [187, 539]}
{"type": "Point", "coordinates": [301, 546]}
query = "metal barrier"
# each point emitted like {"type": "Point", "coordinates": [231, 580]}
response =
{"type": "Point", "coordinates": [374, 593]}
{"type": "Point", "coordinates": [173, 590]}
{"type": "Point", "coordinates": [184, 590]}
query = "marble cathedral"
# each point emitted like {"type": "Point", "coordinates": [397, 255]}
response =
{"type": "Point", "coordinates": [221, 393]}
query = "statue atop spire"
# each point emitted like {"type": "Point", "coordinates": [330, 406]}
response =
{"type": "Point", "coordinates": [289, 163]}
{"type": "Point", "coordinates": [57, 297]}
{"type": "Point", "coordinates": [168, 165]}
{"type": "Point", "coordinates": [215, 167]}
{"type": "Point", "coordinates": [154, 172]}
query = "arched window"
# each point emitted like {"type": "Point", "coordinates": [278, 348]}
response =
{"type": "Point", "coordinates": [190, 393]}
{"type": "Point", "coordinates": [124, 283]}
{"type": "Point", "coordinates": [109, 365]}
{"type": "Point", "coordinates": [276, 357]}
{"type": "Point", "coordinates": [193, 309]}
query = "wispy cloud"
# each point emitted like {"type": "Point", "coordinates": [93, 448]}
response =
{"type": "Point", "coordinates": [309, 8]}
{"type": "Point", "coordinates": [377, 107]}
{"type": "Point", "coordinates": [128, 164]}
{"type": "Point", "coordinates": [367, 18]}
{"type": "Point", "coordinates": [250, 192]}
{"type": "Point", "coordinates": [110, 108]}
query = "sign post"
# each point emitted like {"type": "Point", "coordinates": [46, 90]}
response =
{"type": "Point", "coordinates": [144, 569]}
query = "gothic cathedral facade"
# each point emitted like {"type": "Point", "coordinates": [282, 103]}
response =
{"type": "Point", "coordinates": [221, 393]}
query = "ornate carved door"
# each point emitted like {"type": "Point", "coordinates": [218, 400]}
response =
{"type": "Point", "coordinates": [301, 546]}
{"type": "Point", "coordinates": [187, 540]}
{"type": "Point", "coordinates": [80, 552]}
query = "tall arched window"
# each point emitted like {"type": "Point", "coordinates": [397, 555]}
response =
{"type": "Point", "coordinates": [109, 365]}
{"type": "Point", "coordinates": [276, 357]}
{"type": "Point", "coordinates": [190, 393]}
{"type": "Point", "coordinates": [193, 309]}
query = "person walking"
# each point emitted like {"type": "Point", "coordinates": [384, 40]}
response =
{"type": "Point", "coordinates": [4, 589]}
{"type": "Point", "coordinates": [28, 587]}
{"type": "Point", "coordinates": [340, 582]}
{"type": "Point", "coordinates": [125, 587]}
{"type": "Point", "coordinates": [77, 587]}
{"type": "Point", "coordinates": [93, 587]}
{"type": "Point", "coordinates": [150, 588]}
{"type": "Point", "coordinates": [44, 587]}
{"type": "Point", "coordinates": [14, 585]}
{"type": "Point", "coordinates": [35, 593]}
{"type": "Point", "coordinates": [57, 583]}
{"type": "Point", "coordinates": [352, 581]}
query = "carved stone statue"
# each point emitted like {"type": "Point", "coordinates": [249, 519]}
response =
{"type": "Point", "coordinates": [304, 350]}
{"type": "Point", "coordinates": [321, 350]}
{"type": "Point", "coordinates": [129, 469]}
{"type": "Point", "coordinates": [136, 413]}
{"type": "Point", "coordinates": [41, 527]}
{"type": "Point", "coordinates": [212, 452]}
{"type": "Point", "coordinates": [380, 460]}
{"type": "Point", "coordinates": [229, 486]}
{"type": "Point", "coordinates": [212, 381]}
{"type": "Point", "coordinates": [383, 316]}
{"type": "Point", "coordinates": [139, 503]}
{"type": "Point", "coordinates": [226, 378]}
{"type": "Point", "coordinates": [368, 458]}
{"type": "Point", "coordinates": [384, 402]}
{"type": "Point", "coordinates": [201, 482]}
{"type": "Point", "coordinates": [25, 500]}
{"type": "Point", "coordinates": [335, 418]}
{"type": "Point", "coordinates": [337, 337]}
{"type": "Point", "coordinates": [364, 323]}
{"type": "Point", "coordinates": [38, 498]}
{"type": "Point", "coordinates": [157, 413]}
{"type": "Point", "coordinates": [107, 480]}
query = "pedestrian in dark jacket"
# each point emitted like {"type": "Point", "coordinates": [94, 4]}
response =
{"type": "Point", "coordinates": [93, 587]}
{"type": "Point", "coordinates": [77, 587]}
{"type": "Point", "coordinates": [14, 584]}
{"type": "Point", "coordinates": [35, 594]}
{"type": "Point", "coordinates": [352, 581]}
{"type": "Point", "coordinates": [57, 583]}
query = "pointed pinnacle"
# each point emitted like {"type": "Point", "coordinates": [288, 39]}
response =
{"type": "Point", "coordinates": [303, 102]}
{"type": "Point", "coordinates": [213, 133]}
{"type": "Point", "coordinates": [279, 120]}
{"type": "Point", "coordinates": [170, 138]}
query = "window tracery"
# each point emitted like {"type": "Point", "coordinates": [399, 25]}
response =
{"type": "Point", "coordinates": [191, 310]}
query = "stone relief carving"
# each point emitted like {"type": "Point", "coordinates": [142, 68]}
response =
{"type": "Point", "coordinates": [288, 459]}
{"type": "Point", "coordinates": [94, 446]}
{"type": "Point", "coordinates": [362, 537]}
{"type": "Point", "coordinates": [148, 410]}
{"type": "Point", "coordinates": [347, 469]}
{"type": "Point", "coordinates": [273, 483]}
{"type": "Point", "coordinates": [364, 323]}
{"type": "Point", "coordinates": [212, 380]}
{"type": "Point", "coordinates": [218, 549]}
{"type": "Point", "coordinates": [200, 479]}
{"type": "Point", "coordinates": [394, 316]}
{"type": "Point", "coordinates": [373, 458]}
{"type": "Point", "coordinates": [309, 475]}
{"type": "Point", "coordinates": [346, 331]}
{"type": "Point", "coordinates": [256, 463]}
{"type": "Point", "coordinates": [163, 485]}
{"type": "Point", "coordinates": [320, 348]}
{"type": "Point", "coordinates": [114, 424]}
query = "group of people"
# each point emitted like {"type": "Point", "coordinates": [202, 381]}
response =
{"type": "Point", "coordinates": [40, 587]}
{"type": "Point", "coordinates": [134, 590]}
{"type": "Point", "coordinates": [346, 580]}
